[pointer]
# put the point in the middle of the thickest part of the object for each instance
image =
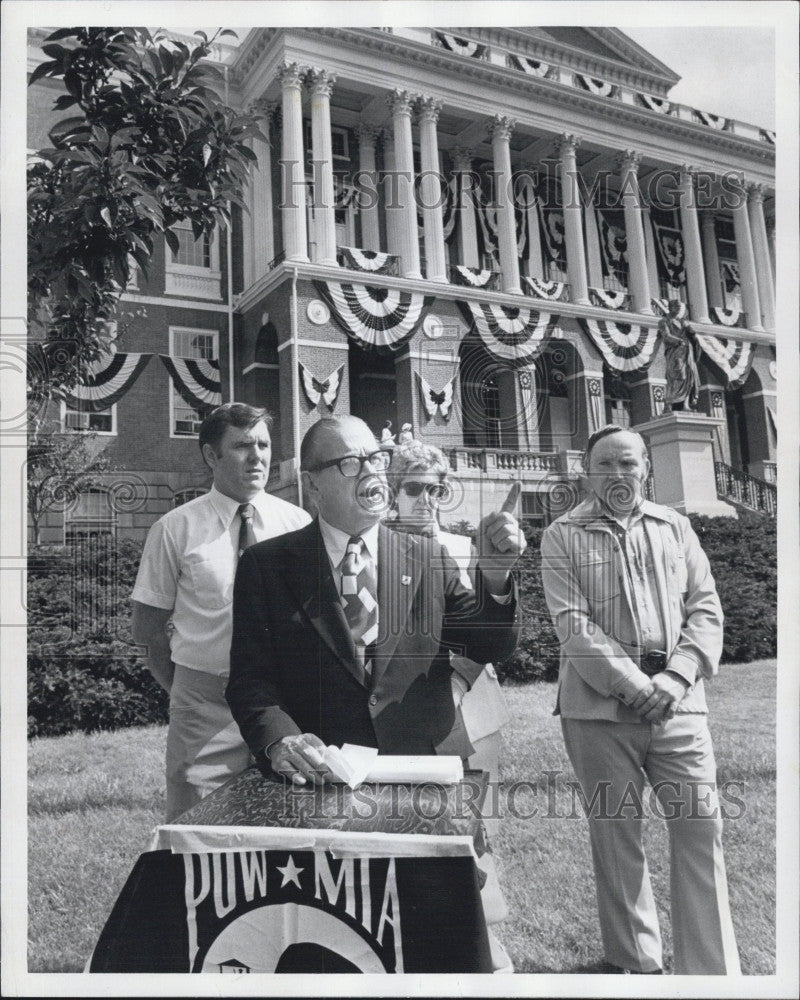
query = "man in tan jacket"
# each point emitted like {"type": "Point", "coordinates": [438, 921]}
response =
{"type": "Point", "coordinates": [636, 612]}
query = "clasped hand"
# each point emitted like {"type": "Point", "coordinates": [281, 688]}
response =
{"type": "Point", "coordinates": [659, 701]}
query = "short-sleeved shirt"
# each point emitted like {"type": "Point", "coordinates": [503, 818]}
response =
{"type": "Point", "coordinates": [189, 564]}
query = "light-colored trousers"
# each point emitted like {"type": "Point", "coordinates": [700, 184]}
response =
{"type": "Point", "coordinates": [204, 745]}
{"type": "Point", "coordinates": [611, 760]}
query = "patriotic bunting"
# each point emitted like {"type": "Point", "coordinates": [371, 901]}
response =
{"type": "Point", "coordinates": [197, 381]}
{"type": "Point", "coordinates": [625, 347]}
{"type": "Point", "coordinates": [767, 135]}
{"type": "Point", "coordinates": [551, 290]}
{"type": "Point", "coordinates": [552, 226]}
{"type": "Point", "coordinates": [670, 257]}
{"type": "Point", "coordinates": [533, 67]}
{"type": "Point", "coordinates": [594, 86]}
{"type": "Point", "coordinates": [373, 261]}
{"type": "Point", "coordinates": [475, 277]}
{"type": "Point", "coordinates": [108, 380]}
{"type": "Point", "coordinates": [730, 275]}
{"type": "Point", "coordinates": [613, 243]}
{"type": "Point", "coordinates": [380, 318]}
{"type": "Point", "coordinates": [608, 299]}
{"type": "Point", "coordinates": [725, 317]}
{"type": "Point", "coordinates": [733, 357]}
{"type": "Point", "coordinates": [321, 390]}
{"type": "Point", "coordinates": [463, 46]}
{"type": "Point", "coordinates": [436, 401]}
{"type": "Point", "coordinates": [510, 333]}
{"type": "Point", "coordinates": [662, 306]}
{"type": "Point", "coordinates": [712, 121]}
{"type": "Point", "coordinates": [656, 104]}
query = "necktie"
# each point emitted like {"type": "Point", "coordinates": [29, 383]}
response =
{"type": "Point", "coordinates": [247, 535]}
{"type": "Point", "coordinates": [360, 596]}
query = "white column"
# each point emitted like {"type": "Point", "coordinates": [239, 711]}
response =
{"type": "Point", "coordinates": [408, 249]}
{"type": "Point", "coordinates": [711, 255]}
{"type": "Point", "coordinates": [771, 244]}
{"type": "Point", "coordinates": [293, 195]}
{"type": "Point", "coordinates": [467, 225]}
{"type": "Point", "coordinates": [431, 189]}
{"type": "Point", "coordinates": [500, 129]}
{"type": "Point", "coordinates": [639, 287]}
{"type": "Point", "coordinates": [391, 206]}
{"type": "Point", "coordinates": [321, 83]}
{"type": "Point", "coordinates": [262, 248]}
{"type": "Point", "coordinates": [746, 260]}
{"type": "Point", "coordinates": [368, 212]}
{"type": "Point", "coordinates": [650, 253]}
{"type": "Point", "coordinates": [573, 223]}
{"type": "Point", "coordinates": [758, 229]}
{"type": "Point", "coordinates": [695, 272]}
{"type": "Point", "coordinates": [594, 263]}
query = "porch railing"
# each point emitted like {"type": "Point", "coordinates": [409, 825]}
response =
{"type": "Point", "coordinates": [741, 488]}
{"type": "Point", "coordinates": [503, 460]}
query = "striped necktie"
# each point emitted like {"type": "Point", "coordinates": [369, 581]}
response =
{"type": "Point", "coordinates": [247, 535]}
{"type": "Point", "coordinates": [360, 597]}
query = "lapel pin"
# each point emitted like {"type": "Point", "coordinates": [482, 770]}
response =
{"type": "Point", "coordinates": [405, 580]}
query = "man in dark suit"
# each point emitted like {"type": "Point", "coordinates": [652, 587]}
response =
{"type": "Point", "coordinates": [342, 630]}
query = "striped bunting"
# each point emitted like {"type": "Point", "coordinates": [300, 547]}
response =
{"type": "Point", "coordinates": [594, 86]}
{"type": "Point", "coordinates": [510, 333]}
{"type": "Point", "coordinates": [463, 46]}
{"type": "Point", "coordinates": [713, 121]}
{"type": "Point", "coordinates": [376, 317]}
{"type": "Point", "coordinates": [475, 277]}
{"type": "Point", "coordinates": [550, 290]}
{"type": "Point", "coordinates": [656, 103]}
{"type": "Point", "coordinates": [197, 381]}
{"type": "Point", "coordinates": [608, 299]}
{"type": "Point", "coordinates": [733, 357]}
{"type": "Point", "coordinates": [108, 380]}
{"type": "Point", "coordinates": [767, 135]}
{"type": "Point", "coordinates": [374, 261]}
{"type": "Point", "coordinates": [725, 317]}
{"type": "Point", "coordinates": [626, 347]}
{"type": "Point", "coordinates": [530, 66]}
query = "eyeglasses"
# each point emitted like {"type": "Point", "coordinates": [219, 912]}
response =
{"type": "Point", "coordinates": [434, 491]}
{"type": "Point", "coordinates": [351, 466]}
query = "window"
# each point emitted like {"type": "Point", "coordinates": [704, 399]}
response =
{"type": "Point", "coordinates": [185, 342]}
{"type": "Point", "coordinates": [194, 270]}
{"type": "Point", "coordinates": [184, 496]}
{"type": "Point", "coordinates": [618, 402]}
{"type": "Point", "coordinates": [340, 142]}
{"type": "Point", "coordinates": [191, 252]}
{"type": "Point", "coordinates": [104, 422]}
{"type": "Point", "coordinates": [728, 264]}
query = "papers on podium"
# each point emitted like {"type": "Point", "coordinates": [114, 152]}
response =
{"type": "Point", "coordinates": [354, 765]}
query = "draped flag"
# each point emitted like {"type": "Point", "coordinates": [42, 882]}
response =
{"type": "Point", "coordinates": [436, 400]}
{"type": "Point", "coordinates": [594, 86]}
{"type": "Point", "coordinates": [474, 277]}
{"type": "Point", "coordinates": [196, 380]}
{"type": "Point", "coordinates": [381, 318]}
{"type": "Point", "coordinates": [108, 380]}
{"type": "Point", "coordinates": [608, 299]}
{"type": "Point", "coordinates": [552, 227]}
{"type": "Point", "coordinates": [733, 357]}
{"type": "Point", "coordinates": [551, 290]}
{"type": "Point", "coordinates": [533, 67]}
{"type": "Point", "coordinates": [510, 333]}
{"type": "Point", "coordinates": [463, 46]}
{"type": "Point", "coordinates": [659, 104]}
{"type": "Point", "coordinates": [374, 261]}
{"type": "Point", "coordinates": [321, 390]}
{"type": "Point", "coordinates": [625, 347]}
{"type": "Point", "coordinates": [613, 243]}
{"type": "Point", "coordinates": [725, 317]}
{"type": "Point", "coordinates": [670, 256]}
{"type": "Point", "coordinates": [730, 275]}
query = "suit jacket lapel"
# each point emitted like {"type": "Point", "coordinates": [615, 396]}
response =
{"type": "Point", "coordinates": [311, 580]}
{"type": "Point", "coordinates": [399, 574]}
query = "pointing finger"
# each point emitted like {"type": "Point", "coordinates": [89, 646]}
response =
{"type": "Point", "coordinates": [511, 499]}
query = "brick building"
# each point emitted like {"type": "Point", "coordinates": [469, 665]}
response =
{"type": "Point", "coordinates": [475, 232]}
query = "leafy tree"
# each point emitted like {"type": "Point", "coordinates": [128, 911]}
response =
{"type": "Point", "coordinates": [60, 467]}
{"type": "Point", "coordinates": [153, 144]}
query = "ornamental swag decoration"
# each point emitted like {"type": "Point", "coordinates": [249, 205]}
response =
{"type": "Point", "coordinates": [318, 391]}
{"type": "Point", "coordinates": [733, 357]}
{"type": "Point", "coordinates": [107, 381]}
{"type": "Point", "coordinates": [379, 318]}
{"type": "Point", "coordinates": [510, 333]}
{"type": "Point", "coordinates": [625, 347]}
{"type": "Point", "coordinates": [436, 401]}
{"type": "Point", "coordinates": [196, 380]}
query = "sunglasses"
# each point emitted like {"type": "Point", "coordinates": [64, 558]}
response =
{"type": "Point", "coordinates": [434, 491]}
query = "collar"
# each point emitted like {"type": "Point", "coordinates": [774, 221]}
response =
{"type": "Point", "coordinates": [336, 540]}
{"type": "Point", "coordinates": [227, 508]}
{"type": "Point", "coordinates": [591, 513]}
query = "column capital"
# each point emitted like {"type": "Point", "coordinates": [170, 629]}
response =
{"type": "Point", "coordinates": [686, 175]}
{"type": "Point", "coordinates": [501, 127]}
{"type": "Point", "coordinates": [291, 75]}
{"type": "Point", "coordinates": [567, 142]}
{"type": "Point", "coordinates": [320, 81]}
{"type": "Point", "coordinates": [429, 108]}
{"type": "Point", "coordinates": [462, 158]}
{"type": "Point", "coordinates": [756, 191]}
{"type": "Point", "coordinates": [628, 160]}
{"type": "Point", "coordinates": [368, 134]}
{"type": "Point", "coordinates": [401, 102]}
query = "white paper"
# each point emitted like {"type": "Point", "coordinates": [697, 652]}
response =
{"type": "Point", "coordinates": [355, 764]}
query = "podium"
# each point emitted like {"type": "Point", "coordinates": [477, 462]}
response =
{"type": "Point", "coordinates": [264, 877]}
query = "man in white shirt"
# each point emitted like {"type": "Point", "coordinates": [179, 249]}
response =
{"type": "Point", "coordinates": [186, 578]}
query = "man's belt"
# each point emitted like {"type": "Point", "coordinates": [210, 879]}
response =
{"type": "Point", "coordinates": [653, 662]}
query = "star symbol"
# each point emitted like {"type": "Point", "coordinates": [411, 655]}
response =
{"type": "Point", "coordinates": [290, 873]}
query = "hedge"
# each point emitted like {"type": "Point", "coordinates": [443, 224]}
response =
{"type": "Point", "coordinates": [84, 673]}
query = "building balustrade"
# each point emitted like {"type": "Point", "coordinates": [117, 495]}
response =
{"type": "Point", "coordinates": [503, 460]}
{"type": "Point", "coordinates": [739, 487]}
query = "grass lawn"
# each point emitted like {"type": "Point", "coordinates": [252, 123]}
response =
{"type": "Point", "coordinates": [93, 801]}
